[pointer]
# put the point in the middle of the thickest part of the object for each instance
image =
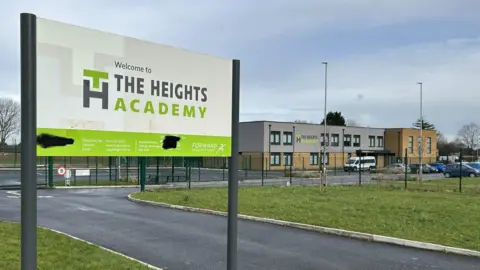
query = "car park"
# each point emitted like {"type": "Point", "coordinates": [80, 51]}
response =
{"type": "Point", "coordinates": [360, 163]}
{"type": "Point", "coordinates": [439, 166]}
{"type": "Point", "coordinates": [415, 168]}
{"type": "Point", "coordinates": [475, 165]}
{"type": "Point", "coordinates": [395, 168]}
{"type": "Point", "coordinates": [457, 169]}
{"type": "Point", "coordinates": [430, 168]}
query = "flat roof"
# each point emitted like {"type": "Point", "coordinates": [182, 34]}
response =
{"type": "Point", "coordinates": [299, 123]}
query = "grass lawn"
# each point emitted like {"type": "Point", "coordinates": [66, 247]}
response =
{"type": "Point", "coordinates": [469, 185]}
{"type": "Point", "coordinates": [56, 251]}
{"type": "Point", "coordinates": [438, 217]}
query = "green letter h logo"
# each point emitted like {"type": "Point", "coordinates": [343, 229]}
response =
{"type": "Point", "coordinates": [95, 77]}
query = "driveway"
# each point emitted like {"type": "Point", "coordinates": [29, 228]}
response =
{"type": "Point", "coordinates": [182, 240]}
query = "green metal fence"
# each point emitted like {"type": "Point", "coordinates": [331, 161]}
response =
{"type": "Point", "coordinates": [170, 170]}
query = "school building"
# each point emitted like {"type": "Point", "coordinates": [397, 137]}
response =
{"type": "Point", "coordinates": [271, 145]}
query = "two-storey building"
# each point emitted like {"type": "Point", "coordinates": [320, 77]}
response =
{"type": "Point", "coordinates": [272, 145]}
{"type": "Point", "coordinates": [406, 142]}
{"type": "Point", "coordinates": [302, 145]}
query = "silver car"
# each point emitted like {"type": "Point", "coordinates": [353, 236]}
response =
{"type": "Point", "coordinates": [395, 168]}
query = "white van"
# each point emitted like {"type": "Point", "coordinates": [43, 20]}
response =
{"type": "Point", "coordinates": [362, 163]}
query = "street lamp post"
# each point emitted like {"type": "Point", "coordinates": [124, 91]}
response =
{"type": "Point", "coordinates": [269, 147]}
{"type": "Point", "coordinates": [292, 162]}
{"type": "Point", "coordinates": [343, 147]}
{"type": "Point", "coordinates": [325, 127]}
{"type": "Point", "coordinates": [420, 150]}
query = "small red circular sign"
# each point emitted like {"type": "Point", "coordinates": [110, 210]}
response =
{"type": "Point", "coordinates": [61, 171]}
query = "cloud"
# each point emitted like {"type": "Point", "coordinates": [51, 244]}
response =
{"type": "Point", "coordinates": [387, 84]}
{"type": "Point", "coordinates": [377, 52]}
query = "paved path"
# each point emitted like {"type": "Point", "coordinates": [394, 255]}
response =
{"type": "Point", "coordinates": [182, 240]}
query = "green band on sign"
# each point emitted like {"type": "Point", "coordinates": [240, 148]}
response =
{"type": "Point", "coordinates": [115, 143]}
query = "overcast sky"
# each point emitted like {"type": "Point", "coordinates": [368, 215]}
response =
{"type": "Point", "coordinates": [377, 51]}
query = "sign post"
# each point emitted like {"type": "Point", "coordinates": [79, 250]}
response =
{"type": "Point", "coordinates": [68, 176]}
{"type": "Point", "coordinates": [233, 171]}
{"type": "Point", "coordinates": [122, 97]}
{"type": "Point", "coordinates": [28, 173]}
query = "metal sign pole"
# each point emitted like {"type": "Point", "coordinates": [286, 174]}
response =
{"type": "Point", "coordinates": [28, 101]}
{"type": "Point", "coordinates": [233, 171]}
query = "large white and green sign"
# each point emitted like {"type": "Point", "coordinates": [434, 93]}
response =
{"type": "Point", "coordinates": [119, 96]}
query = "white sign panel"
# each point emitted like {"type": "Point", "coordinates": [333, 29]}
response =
{"type": "Point", "coordinates": [119, 96]}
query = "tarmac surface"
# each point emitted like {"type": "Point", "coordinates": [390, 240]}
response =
{"type": "Point", "coordinates": [179, 240]}
{"type": "Point", "coordinates": [11, 177]}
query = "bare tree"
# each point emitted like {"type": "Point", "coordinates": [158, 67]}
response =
{"type": "Point", "coordinates": [441, 139]}
{"type": "Point", "coordinates": [9, 119]}
{"type": "Point", "coordinates": [469, 135]}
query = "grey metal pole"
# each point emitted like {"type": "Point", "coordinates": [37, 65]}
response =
{"type": "Point", "coordinates": [233, 171]}
{"type": "Point", "coordinates": [325, 135]}
{"type": "Point", "coordinates": [343, 147]}
{"type": "Point", "coordinates": [420, 151]}
{"type": "Point", "coordinates": [292, 162]}
{"type": "Point", "coordinates": [269, 147]}
{"type": "Point", "coordinates": [119, 159]}
{"type": "Point", "coordinates": [28, 174]}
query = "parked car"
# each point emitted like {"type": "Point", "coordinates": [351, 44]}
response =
{"type": "Point", "coordinates": [475, 165]}
{"type": "Point", "coordinates": [431, 169]}
{"type": "Point", "coordinates": [416, 167]}
{"type": "Point", "coordinates": [395, 168]}
{"type": "Point", "coordinates": [455, 170]}
{"type": "Point", "coordinates": [439, 166]}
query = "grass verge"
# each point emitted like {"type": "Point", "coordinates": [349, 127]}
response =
{"type": "Point", "coordinates": [436, 217]}
{"type": "Point", "coordinates": [56, 251]}
{"type": "Point", "coordinates": [469, 185]}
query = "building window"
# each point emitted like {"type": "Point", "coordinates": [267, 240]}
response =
{"type": "Point", "coordinates": [275, 137]}
{"type": "Point", "coordinates": [347, 140]}
{"type": "Point", "coordinates": [371, 140]}
{"type": "Point", "coordinates": [356, 140]}
{"type": "Point", "coordinates": [380, 141]}
{"type": "Point", "coordinates": [429, 145]}
{"type": "Point", "coordinates": [275, 159]}
{"type": "Point", "coordinates": [287, 138]}
{"type": "Point", "coordinates": [313, 158]}
{"type": "Point", "coordinates": [323, 139]}
{"type": "Point", "coordinates": [326, 158]}
{"type": "Point", "coordinates": [410, 144]}
{"type": "Point", "coordinates": [335, 140]}
{"type": "Point", "coordinates": [287, 159]}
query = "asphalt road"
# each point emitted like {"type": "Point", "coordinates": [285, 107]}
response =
{"type": "Point", "coordinates": [12, 176]}
{"type": "Point", "coordinates": [181, 240]}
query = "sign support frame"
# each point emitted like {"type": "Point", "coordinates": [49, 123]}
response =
{"type": "Point", "coordinates": [28, 102]}
{"type": "Point", "coordinates": [232, 228]}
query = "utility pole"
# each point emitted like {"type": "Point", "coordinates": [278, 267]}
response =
{"type": "Point", "coordinates": [420, 150]}
{"type": "Point", "coordinates": [325, 135]}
